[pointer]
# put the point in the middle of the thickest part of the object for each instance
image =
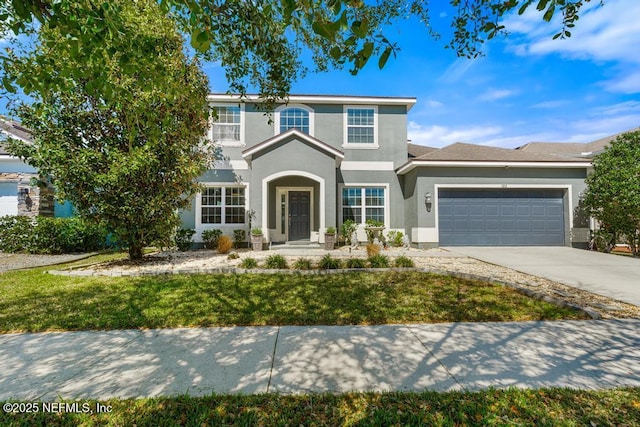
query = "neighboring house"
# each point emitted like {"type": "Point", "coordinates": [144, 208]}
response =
{"type": "Point", "coordinates": [17, 195]}
{"type": "Point", "coordinates": [325, 159]}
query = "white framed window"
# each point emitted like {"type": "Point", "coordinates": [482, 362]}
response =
{"type": "Point", "coordinates": [360, 204]}
{"type": "Point", "coordinates": [227, 124]}
{"type": "Point", "coordinates": [360, 126]}
{"type": "Point", "coordinates": [298, 117]}
{"type": "Point", "coordinates": [223, 205]}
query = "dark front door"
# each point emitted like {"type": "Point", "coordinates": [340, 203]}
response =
{"type": "Point", "coordinates": [299, 215]}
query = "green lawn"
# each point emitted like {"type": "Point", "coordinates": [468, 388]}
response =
{"type": "Point", "coordinates": [547, 407]}
{"type": "Point", "coordinates": [35, 301]}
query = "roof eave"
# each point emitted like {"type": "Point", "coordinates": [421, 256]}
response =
{"type": "Point", "coordinates": [412, 164]}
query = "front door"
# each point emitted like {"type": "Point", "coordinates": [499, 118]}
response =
{"type": "Point", "coordinates": [299, 215]}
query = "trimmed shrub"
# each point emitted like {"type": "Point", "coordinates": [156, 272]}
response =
{"type": "Point", "coordinates": [276, 262]}
{"type": "Point", "coordinates": [395, 238]}
{"type": "Point", "coordinates": [50, 235]}
{"type": "Point", "coordinates": [373, 249]}
{"type": "Point", "coordinates": [249, 263]}
{"type": "Point", "coordinates": [356, 263]}
{"type": "Point", "coordinates": [233, 255]}
{"type": "Point", "coordinates": [210, 238]}
{"type": "Point", "coordinates": [347, 229]}
{"type": "Point", "coordinates": [224, 244]}
{"type": "Point", "coordinates": [184, 239]}
{"type": "Point", "coordinates": [303, 264]}
{"type": "Point", "coordinates": [327, 262]}
{"type": "Point", "coordinates": [379, 261]}
{"type": "Point", "coordinates": [404, 262]}
{"type": "Point", "coordinates": [239, 237]}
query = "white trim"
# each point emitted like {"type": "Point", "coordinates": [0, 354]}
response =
{"type": "Point", "coordinates": [322, 99]}
{"type": "Point", "coordinates": [276, 117]}
{"type": "Point", "coordinates": [229, 143]}
{"type": "Point", "coordinates": [424, 235]}
{"type": "Point", "coordinates": [366, 166]}
{"type": "Point", "coordinates": [345, 118]}
{"type": "Point", "coordinates": [412, 164]}
{"type": "Point", "coordinates": [200, 227]}
{"type": "Point", "coordinates": [568, 187]}
{"type": "Point", "coordinates": [285, 190]}
{"type": "Point", "coordinates": [265, 195]}
{"type": "Point", "coordinates": [230, 165]}
{"type": "Point", "coordinates": [295, 133]}
{"type": "Point", "coordinates": [387, 207]}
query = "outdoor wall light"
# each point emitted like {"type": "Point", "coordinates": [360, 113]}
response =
{"type": "Point", "coordinates": [427, 201]}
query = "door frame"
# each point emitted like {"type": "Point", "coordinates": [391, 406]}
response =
{"type": "Point", "coordinates": [283, 235]}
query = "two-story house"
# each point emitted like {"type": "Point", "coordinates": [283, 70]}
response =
{"type": "Point", "coordinates": [324, 159]}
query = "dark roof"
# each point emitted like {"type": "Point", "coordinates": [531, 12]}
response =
{"type": "Point", "coordinates": [481, 153]}
{"type": "Point", "coordinates": [418, 150]}
{"type": "Point", "coordinates": [14, 129]}
{"type": "Point", "coordinates": [572, 149]}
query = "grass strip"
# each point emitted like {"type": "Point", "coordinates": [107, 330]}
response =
{"type": "Point", "coordinates": [511, 407]}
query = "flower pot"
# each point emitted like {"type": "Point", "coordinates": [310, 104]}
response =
{"type": "Point", "coordinates": [329, 241]}
{"type": "Point", "coordinates": [256, 242]}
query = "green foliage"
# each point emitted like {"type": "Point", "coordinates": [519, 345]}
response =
{"type": "Point", "coordinates": [347, 229]}
{"type": "Point", "coordinates": [327, 262]}
{"type": "Point", "coordinates": [249, 263]}
{"type": "Point", "coordinates": [233, 255]}
{"type": "Point", "coordinates": [379, 261]}
{"type": "Point", "coordinates": [303, 264]}
{"type": "Point", "coordinates": [371, 233]}
{"type": "Point", "coordinates": [395, 238]}
{"type": "Point", "coordinates": [613, 189]}
{"type": "Point", "coordinates": [256, 231]}
{"type": "Point", "coordinates": [184, 239]}
{"type": "Point", "coordinates": [224, 244]}
{"type": "Point", "coordinates": [404, 262]}
{"type": "Point", "coordinates": [239, 237]}
{"type": "Point", "coordinates": [331, 230]}
{"type": "Point", "coordinates": [50, 235]}
{"type": "Point", "coordinates": [356, 263]}
{"type": "Point", "coordinates": [276, 261]}
{"type": "Point", "coordinates": [210, 238]}
{"type": "Point", "coordinates": [259, 43]}
{"type": "Point", "coordinates": [122, 140]}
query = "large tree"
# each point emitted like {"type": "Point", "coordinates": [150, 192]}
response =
{"type": "Point", "coordinates": [259, 42]}
{"type": "Point", "coordinates": [613, 188]}
{"type": "Point", "coordinates": [127, 155]}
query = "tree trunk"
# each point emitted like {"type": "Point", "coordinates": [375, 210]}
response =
{"type": "Point", "coordinates": [135, 251]}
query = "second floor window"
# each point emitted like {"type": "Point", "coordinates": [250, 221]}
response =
{"type": "Point", "coordinates": [294, 118]}
{"type": "Point", "coordinates": [361, 126]}
{"type": "Point", "coordinates": [226, 124]}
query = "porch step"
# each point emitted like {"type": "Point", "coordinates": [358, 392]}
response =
{"type": "Point", "coordinates": [296, 245]}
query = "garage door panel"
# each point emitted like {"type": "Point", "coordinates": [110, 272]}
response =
{"type": "Point", "coordinates": [501, 217]}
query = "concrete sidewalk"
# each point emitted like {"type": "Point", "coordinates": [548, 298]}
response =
{"type": "Point", "coordinates": [290, 359]}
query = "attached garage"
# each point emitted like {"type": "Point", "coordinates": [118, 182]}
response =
{"type": "Point", "coordinates": [501, 217]}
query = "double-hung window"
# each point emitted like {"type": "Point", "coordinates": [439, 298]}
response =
{"type": "Point", "coordinates": [360, 204]}
{"type": "Point", "coordinates": [360, 127]}
{"type": "Point", "coordinates": [223, 205]}
{"type": "Point", "coordinates": [227, 124]}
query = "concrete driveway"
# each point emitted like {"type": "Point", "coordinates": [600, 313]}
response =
{"type": "Point", "coordinates": [613, 276]}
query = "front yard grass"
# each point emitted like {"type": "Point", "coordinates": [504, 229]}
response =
{"type": "Point", "coordinates": [34, 301]}
{"type": "Point", "coordinates": [513, 407]}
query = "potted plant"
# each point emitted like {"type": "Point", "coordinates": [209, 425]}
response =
{"type": "Point", "coordinates": [330, 238]}
{"type": "Point", "coordinates": [256, 238]}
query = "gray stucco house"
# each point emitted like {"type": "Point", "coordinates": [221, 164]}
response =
{"type": "Point", "coordinates": [324, 159]}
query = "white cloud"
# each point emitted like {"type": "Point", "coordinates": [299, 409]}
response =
{"type": "Point", "coordinates": [615, 109]}
{"type": "Point", "coordinates": [551, 105]}
{"type": "Point", "coordinates": [434, 103]}
{"type": "Point", "coordinates": [440, 136]}
{"type": "Point", "coordinates": [495, 94]}
{"type": "Point", "coordinates": [457, 70]}
{"type": "Point", "coordinates": [629, 83]}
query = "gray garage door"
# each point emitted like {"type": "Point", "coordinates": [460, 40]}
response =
{"type": "Point", "coordinates": [501, 217]}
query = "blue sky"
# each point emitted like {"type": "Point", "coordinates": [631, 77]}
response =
{"type": "Point", "coordinates": [527, 88]}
